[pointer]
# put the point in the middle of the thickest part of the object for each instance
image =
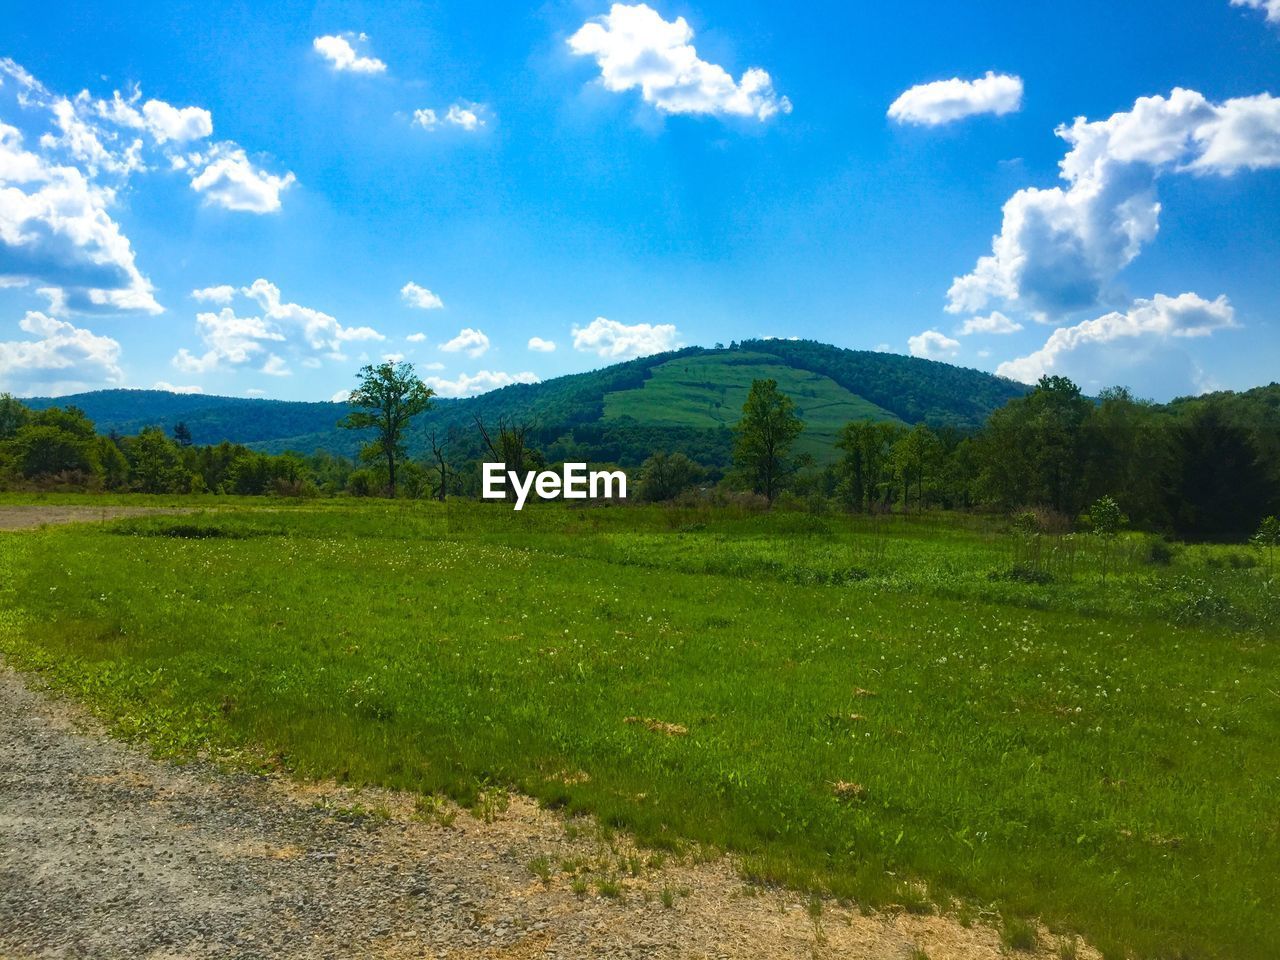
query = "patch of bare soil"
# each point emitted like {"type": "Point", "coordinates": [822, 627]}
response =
{"type": "Point", "coordinates": [28, 517]}
{"type": "Point", "coordinates": [105, 852]}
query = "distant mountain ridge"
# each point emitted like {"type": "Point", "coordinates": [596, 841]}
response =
{"type": "Point", "coordinates": [680, 400]}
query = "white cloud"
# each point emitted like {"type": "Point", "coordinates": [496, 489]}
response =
{"type": "Point", "coordinates": [179, 124]}
{"type": "Point", "coordinates": [539, 345]}
{"type": "Point", "coordinates": [417, 338]}
{"type": "Point", "coordinates": [255, 392]}
{"type": "Point", "coordinates": [473, 342]}
{"type": "Point", "coordinates": [944, 101]}
{"type": "Point", "coordinates": [392, 357]}
{"type": "Point", "coordinates": [342, 56]}
{"type": "Point", "coordinates": [464, 117]}
{"type": "Point", "coordinates": [635, 48]}
{"type": "Point", "coordinates": [165, 122]}
{"type": "Point", "coordinates": [321, 331]}
{"type": "Point", "coordinates": [1270, 7]}
{"type": "Point", "coordinates": [104, 138]}
{"type": "Point", "coordinates": [232, 340]}
{"type": "Point", "coordinates": [223, 293]}
{"type": "Point", "coordinates": [468, 385]}
{"type": "Point", "coordinates": [55, 228]}
{"type": "Point", "coordinates": [230, 180]}
{"type": "Point", "coordinates": [175, 388]}
{"type": "Point", "coordinates": [276, 366]}
{"type": "Point", "coordinates": [995, 322]}
{"type": "Point", "coordinates": [1059, 248]}
{"type": "Point", "coordinates": [468, 116]}
{"type": "Point", "coordinates": [420, 297]}
{"type": "Point", "coordinates": [61, 359]}
{"type": "Point", "coordinates": [933, 345]}
{"type": "Point", "coordinates": [618, 341]}
{"type": "Point", "coordinates": [342, 396]}
{"type": "Point", "coordinates": [1118, 340]}
{"type": "Point", "coordinates": [96, 149]}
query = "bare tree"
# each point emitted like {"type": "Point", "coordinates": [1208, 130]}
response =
{"type": "Point", "coordinates": [440, 453]}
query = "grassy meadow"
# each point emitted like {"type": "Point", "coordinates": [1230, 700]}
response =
{"type": "Point", "coordinates": [928, 711]}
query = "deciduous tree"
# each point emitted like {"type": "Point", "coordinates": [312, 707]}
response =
{"type": "Point", "coordinates": [387, 396]}
{"type": "Point", "coordinates": [764, 437]}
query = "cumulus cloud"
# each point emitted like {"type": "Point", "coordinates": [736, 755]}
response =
{"type": "Point", "coordinates": [341, 55]}
{"type": "Point", "coordinates": [1270, 7]}
{"type": "Point", "coordinates": [56, 228]}
{"type": "Point", "coordinates": [473, 342]}
{"type": "Point", "coordinates": [223, 293]}
{"type": "Point", "coordinates": [933, 345]}
{"type": "Point", "coordinates": [995, 322]}
{"type": "Point", "coordinates": [320, 330]}
{"type": "Point", "coordinates": [1059, 248]}
{"type": "Point", "coordinates": [234, 340]}
{"type": "Point", "coordinates": [1081, 349]}
{"type": "Point", "coordinates": [58, 192]}
{"type": "Point", "coordinates": [945, 101]}
{"type": "Point", "coordinates": [229, 179]}
{"type": "Point", "coordinates": [163, 121]}
{"type": "Point", "coordinates": [417, 338]}
{"type": "Point", "coordinates": [538, 345]}
{"type": "Point", "coordinates": [465, 115]}
{"type": "Point", "coordinates": [175, 388]}
{"type": "Point", "coordinates": [231, 341]}
{"type": "Point", "coordinates": [619, 341]}
{"type": "Point", "coordinates": [102, 136]}
{"type": "Point", "coordinates": [58, 358]}
{"type": "Point", "coordinates": [275, 366]}
{"type": "Point", "coordinates": [482, 381]}
{"type": "Point", "coordinates": [636, 49]}
{"type": "Point", "coordinates": [421, 297]}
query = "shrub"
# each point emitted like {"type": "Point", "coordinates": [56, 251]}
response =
{"type": "Point", "coordinates": [1159, 552]}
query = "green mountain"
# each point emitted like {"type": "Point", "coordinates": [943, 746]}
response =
{"type": "Point", "coordinates": [683, 400]}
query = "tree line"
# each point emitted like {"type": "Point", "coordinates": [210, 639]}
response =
{"type": "Point", "coordinates": [1205, 467]}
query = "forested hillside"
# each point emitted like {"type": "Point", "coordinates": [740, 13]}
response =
{"type": "Point", "coordinates": [682, 401]}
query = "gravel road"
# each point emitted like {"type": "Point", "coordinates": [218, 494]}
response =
{"type": "Point", "coordinates": [29, 516]}
{"type": "Point", "coordinates": [105, 853]}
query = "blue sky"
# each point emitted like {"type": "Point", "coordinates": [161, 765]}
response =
{"type": "Point", "coordinates": [617, 180]}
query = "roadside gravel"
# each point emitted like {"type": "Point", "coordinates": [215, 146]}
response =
{"type": "Point", "coordinates": [107, 853]}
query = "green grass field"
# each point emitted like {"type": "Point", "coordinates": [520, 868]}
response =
{"type": "Point", "coordinates": [874, 707]}
{"type": "Point", "coordinates": [709, 391]}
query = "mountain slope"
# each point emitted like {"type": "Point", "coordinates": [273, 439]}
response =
{"type": "Point", "coordinates": [682, 400]}
{"type": "Point", "coordinates": [708, 392]}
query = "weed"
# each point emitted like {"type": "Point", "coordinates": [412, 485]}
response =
{"type": "Point", "coordinates": [434, 809]}
{"type": "Point", "coordinates": [609, 888]}
{"type": "Point", "coordinates": [540, 867]}
{"type": "Point", "coordinates": [1018, 934]}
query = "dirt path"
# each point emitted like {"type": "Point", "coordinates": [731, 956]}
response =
{"type": "Point", "coordinates": [107, 853]}
{"type": "Point", "coordinates": [27, 517]}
